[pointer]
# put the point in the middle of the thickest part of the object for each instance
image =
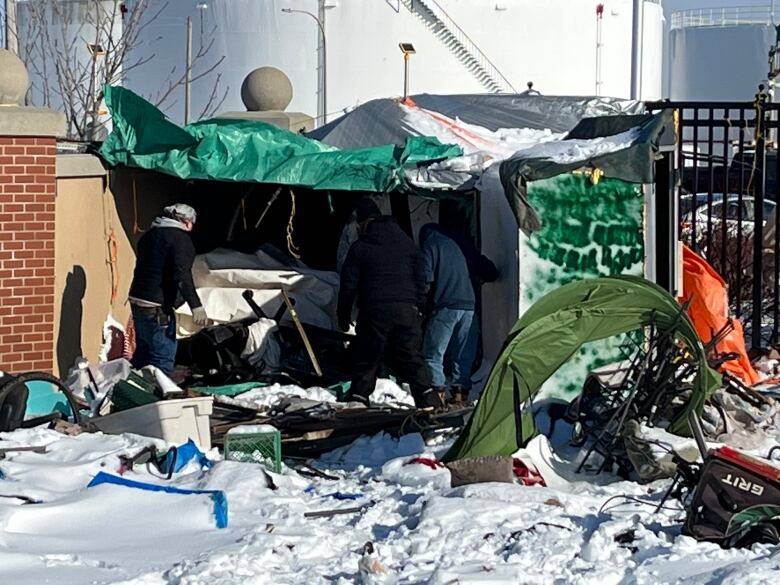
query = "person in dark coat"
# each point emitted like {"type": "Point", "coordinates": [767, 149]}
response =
{"type": "Point", "coordinates": [447, 345]}
{"type": "Point", "coordinates": [163, 274]}
{"type": "Point", "coordinates": [384, 273]}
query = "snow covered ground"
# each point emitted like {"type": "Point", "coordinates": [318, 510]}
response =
{"type": "Point", "coordinates": [424, 531]}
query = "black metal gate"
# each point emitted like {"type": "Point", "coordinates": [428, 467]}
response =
{"type": "Point", "coordinates": [717, 194]}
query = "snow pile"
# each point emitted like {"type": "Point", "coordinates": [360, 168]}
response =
{"type": "Point", "coordinates": [386, 393]}
{"type": "Point", "coordinates": [504, 143]}
{"type": "Point", "coordinates": [423, 530]}
{"type": "Point", "coordinates": [578, 150]}
{"type": "Point", "coordinates": [473, 139]}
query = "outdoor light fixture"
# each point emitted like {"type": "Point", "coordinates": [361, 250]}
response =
{"type": "Point", "coordinates": [408, 50]}
{"type": "Point", "coordinates": [96, 49]}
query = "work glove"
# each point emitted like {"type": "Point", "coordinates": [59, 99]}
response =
{"type": "Point", "coordinates": [199, 317]}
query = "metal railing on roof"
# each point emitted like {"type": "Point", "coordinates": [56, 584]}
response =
{"type": "Point", "coordinates": [723, 16]}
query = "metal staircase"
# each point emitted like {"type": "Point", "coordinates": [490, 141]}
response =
{"type": "Point", "coordinates": [436, 19]}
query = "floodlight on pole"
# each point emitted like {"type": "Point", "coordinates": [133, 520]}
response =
{"type": "Point", "coordinates": [408, 50]}
{"type": "Point", "coordinates": [322, 101]}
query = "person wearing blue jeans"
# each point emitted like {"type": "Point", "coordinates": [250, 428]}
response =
{"type": "Point", "coordinates": [163, 275]}
{"type": "Point", "coordinates": [155, 338]}
{"type": "Point", "coordinates": [449, 344]}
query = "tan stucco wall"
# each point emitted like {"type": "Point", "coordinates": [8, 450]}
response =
{"type": "Point", "coordinates": [86, 213]}
{"type": "Point", "coordinates": [90, 203]}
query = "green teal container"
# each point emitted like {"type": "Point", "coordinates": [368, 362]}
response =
{"type": "Point", "coordinates": [255, 444]}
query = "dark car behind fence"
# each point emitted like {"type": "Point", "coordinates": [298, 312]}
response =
{"type": "Point", "coordinates": [722, 195]}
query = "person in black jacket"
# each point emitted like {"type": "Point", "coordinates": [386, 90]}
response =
{"type": "Point", "coordinates": [163, 272]}
{"type": "Point", "coordinates": [384, 272]}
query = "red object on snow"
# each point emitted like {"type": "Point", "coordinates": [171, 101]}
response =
{"type": "Point", "coordinates": [526, 475]}
{"type": "Point", "coordinates": [432, 463]}
{"type": "Point", "coordinates": [599, 10]}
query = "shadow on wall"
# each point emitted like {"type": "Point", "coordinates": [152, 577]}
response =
{"type": "Point", "coordinates": [71, 313]}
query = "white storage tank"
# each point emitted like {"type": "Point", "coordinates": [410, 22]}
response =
{"type": "Point", "coordinates": [719, 54]}
{"type": "Point", "coordinates": [462, 46]}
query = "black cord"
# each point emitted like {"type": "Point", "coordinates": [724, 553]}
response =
{"type": "Point", "coordinates": [663, 445]}
{"type": "Point", "coordinates": [636, 500]}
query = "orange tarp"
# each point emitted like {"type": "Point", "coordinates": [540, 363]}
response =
{"type": "Point", "coordinates": [709, 311]}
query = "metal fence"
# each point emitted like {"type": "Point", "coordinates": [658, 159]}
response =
{"type": "Point", "coordinates": [722, 195]}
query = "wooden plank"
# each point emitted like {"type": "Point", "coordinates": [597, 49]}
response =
{"type": "Point", "coordinates": [304, 337]}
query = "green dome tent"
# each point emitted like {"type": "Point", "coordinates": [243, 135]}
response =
{"type": "Point", "coordinates": [548, 335]}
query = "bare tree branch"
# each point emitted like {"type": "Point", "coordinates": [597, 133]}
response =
{"type": "Point", "coordinates": [214, 102]}
{"type": "Point", "coordinates": [74, 49]}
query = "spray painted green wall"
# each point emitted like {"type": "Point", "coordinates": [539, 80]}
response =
{"type": "Point", "coordinates": [587, 231]}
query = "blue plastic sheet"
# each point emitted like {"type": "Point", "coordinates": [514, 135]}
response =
{"type": "Point", "coordinates": [217, 497]}
{"type": "Point", "coordinates": [178, 457]}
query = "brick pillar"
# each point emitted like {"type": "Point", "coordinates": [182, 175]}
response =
{"type": "Point", "coordinates": [27, 194]}
{"type": "Point", "coordinates": [27, 190]}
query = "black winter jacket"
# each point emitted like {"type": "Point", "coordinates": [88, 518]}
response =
{"type": "Point", "coordinates": [163, 268]}
{"type": "Point", "coordinates": [383, 266]}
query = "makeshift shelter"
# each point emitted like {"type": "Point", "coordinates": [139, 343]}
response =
{"type": "Point", "coordinates": [520, 152]}
{"type": "Point", "coordinates": [489, 147]}
{"type": "Point", "coordinates": [548, 334]}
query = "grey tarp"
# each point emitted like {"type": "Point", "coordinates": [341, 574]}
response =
{"type": "Point", "coordinates": [384, 121]}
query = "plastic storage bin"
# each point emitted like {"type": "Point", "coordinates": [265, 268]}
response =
{"type": "Point", "coordinates": [174, 421]}
{"type": "Point", "coordinates": [255, 444]}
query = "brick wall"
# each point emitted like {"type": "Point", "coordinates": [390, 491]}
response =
{"type": "Point", "coordinates": [27, 194]}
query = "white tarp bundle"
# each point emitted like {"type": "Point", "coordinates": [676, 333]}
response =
{"type": "Point", "coordinates": [221, 276]}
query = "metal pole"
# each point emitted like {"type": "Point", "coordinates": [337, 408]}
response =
{"type": "Point", "coordinates": [322, 59]}
{"type": "Point", "coordinates": [758, 214]}
{"type": "Point", "coordinates": [323, 63]}
{"type": "Point", "coordinates": [636, 49]}
{"type": "Point", "coordinates": [406, 75]}
{"type": "Point", "coordinates": [188, 77]}
{"type": "Point", "coordinates": [599, 14]}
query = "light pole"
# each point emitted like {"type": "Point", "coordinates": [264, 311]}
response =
{"type": "Point", "coordinates": [408, 50]}
{"type": "Point", "coordinates": [322, 97]}
{"type": "Point", "coordinates": [637, 39]}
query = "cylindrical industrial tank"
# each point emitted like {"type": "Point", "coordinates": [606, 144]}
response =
{"type": "Point", "coordinates": [652, 51]}
{"type": "Point", "coordinates": [719, 54]}
{"type": "Point", "coordinates": [462, 46]}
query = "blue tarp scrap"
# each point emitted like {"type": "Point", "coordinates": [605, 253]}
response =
{"type": "Point", "coordinates": [217, 497]}
{"type": "Point", "coordinates": [179, 457]}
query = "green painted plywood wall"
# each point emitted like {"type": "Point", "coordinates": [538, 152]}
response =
{"type": "Point", "coordinates": [587, 231]}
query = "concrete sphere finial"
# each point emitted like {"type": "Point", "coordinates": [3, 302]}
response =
{"type": "Point", "coordinates": [14, 80]}
{"type": "Point", "coordinates": [266, 88]}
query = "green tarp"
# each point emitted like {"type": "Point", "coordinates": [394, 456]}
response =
{"type": "Point", "coordinates": [548, 334]}
{"type": "Point", "coordinates": [253, 151]}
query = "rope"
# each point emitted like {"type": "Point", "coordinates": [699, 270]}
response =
{"type": "Point", "coordinates": [291, 247]}
{"type": "Point", "coordinates": [136, 228]}
{"type": "Point", "coordinates": [112, 264]}
{"type": "Point", "coordinates": [758, 133]}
